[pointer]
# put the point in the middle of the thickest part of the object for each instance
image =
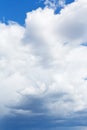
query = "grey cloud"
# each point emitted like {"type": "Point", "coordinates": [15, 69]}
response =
{"type": "Point", "coordinates": [72, 30]}
{"type": "Point", "coordinates": [44, 121]}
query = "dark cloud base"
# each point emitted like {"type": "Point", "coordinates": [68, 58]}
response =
{"type": "Point", "coordinates": [38, 123]}
{"type": "Point", "coordinates": [40, 119]}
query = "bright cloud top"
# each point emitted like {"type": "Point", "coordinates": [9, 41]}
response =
{"type": "Point", "coordinates": [45, 61]}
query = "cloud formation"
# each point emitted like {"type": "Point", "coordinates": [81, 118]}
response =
{"type": "Point", "coordinates": [54, 3]}
{"type": "Point", "coordinates": [43, 67]}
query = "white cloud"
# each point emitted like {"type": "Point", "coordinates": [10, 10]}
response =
{"type": "Point", "coordinates": [54, 3]}
{"type": "Point", "coordinates": [45, 59]}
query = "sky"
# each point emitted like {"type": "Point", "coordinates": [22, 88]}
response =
{"type": "Point", "coordinates": [43, 65]}
{"type": "Point", "coordinates": [16, 10]}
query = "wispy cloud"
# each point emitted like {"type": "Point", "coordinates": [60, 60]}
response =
{"type": "Point", "coordinates": [54, 3]}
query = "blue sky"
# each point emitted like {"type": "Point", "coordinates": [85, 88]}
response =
{"type": "Point", "coordinates": [43, 65]}
{"type": "Point", "coordinates": [16, 10]}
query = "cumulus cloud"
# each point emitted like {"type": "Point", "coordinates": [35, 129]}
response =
{"type": "Point", "coordinates": [43, 65]}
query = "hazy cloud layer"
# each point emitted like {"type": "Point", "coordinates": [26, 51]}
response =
{"type": "Point", "coordinates": [43, 68]}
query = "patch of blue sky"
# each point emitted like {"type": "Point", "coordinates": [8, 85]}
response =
{"type": "Point", "coordinates": [84, 44]}
{"type": "Point", "coordinates": [16, 10]}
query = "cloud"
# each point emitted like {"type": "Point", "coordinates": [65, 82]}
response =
{"type": "Point", "coordinates": [43, 68]}
{"type": "Point", "coordinates": [54, 3]}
